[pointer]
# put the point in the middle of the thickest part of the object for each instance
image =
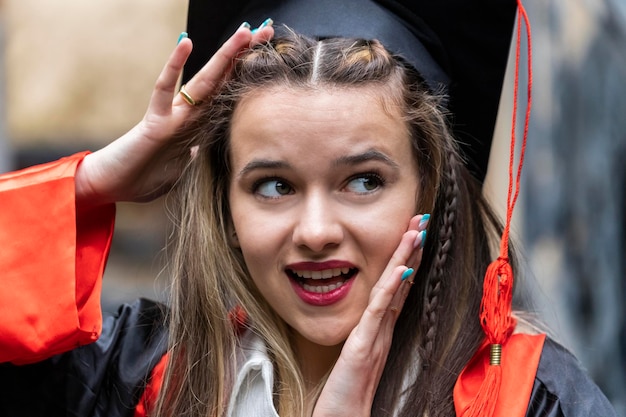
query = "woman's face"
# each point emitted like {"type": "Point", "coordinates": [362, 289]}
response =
{"type": "Point", "coordinates": [323, 186]}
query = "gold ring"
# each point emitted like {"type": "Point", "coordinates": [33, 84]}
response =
{"type": "Point", "coordinates": [183, 92]}
{"type": "Point", "coordinates": [409, 282]}
{"type": "Point", "coordinates": [393, 309]}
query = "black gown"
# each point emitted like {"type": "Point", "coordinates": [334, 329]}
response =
{"type": "Point", "coordinates": [108, 377]}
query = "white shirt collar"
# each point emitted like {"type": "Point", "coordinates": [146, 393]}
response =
{"type": "Point", "coordinates": [252, 393]}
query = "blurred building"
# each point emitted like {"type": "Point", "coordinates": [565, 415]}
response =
{"type": "Point", "coordinates": [575, 190]}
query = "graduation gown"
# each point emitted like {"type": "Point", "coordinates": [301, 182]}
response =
{"type": "Point", "coordinates": [60, 357]}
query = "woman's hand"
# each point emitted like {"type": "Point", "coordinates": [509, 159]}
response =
{"type": "Point", "coordinates": [137, 166]}
{"type": "Point", "coordinates": [353, 382]}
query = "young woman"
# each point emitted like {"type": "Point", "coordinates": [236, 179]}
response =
{"type": "Point", "coordinates": [329, 252]}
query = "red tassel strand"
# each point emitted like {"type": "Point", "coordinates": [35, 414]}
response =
{"type": "Point", "coordinates": [495, 312]}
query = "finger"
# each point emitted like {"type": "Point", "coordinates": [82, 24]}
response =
{"type": "Point", "coordinates": [410, 244]}
{"type": "Point", "coordinates": [397, 303]}
{"type": "Point", "coordinates": [165, 87]}
{"type": "Point", "coordinates": [407, 244]}
{"type": "Point", "coordinates": [203, 83]}
{"type": "Point", "coordinates": [400, 256]}
{"type": "Point", "coordinates": [421, 225]}
{"type": "Point", "coordinates": [418, 223]}
{"type": "Point", "coordinates": [370, 324]}
{"type": "Point", "coordinates": [262, 35]}
{"type": "Point", "coordinates": [414, 261]}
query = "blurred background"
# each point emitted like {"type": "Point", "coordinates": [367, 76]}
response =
{"type": "Point", "coordinates": [74, 75]}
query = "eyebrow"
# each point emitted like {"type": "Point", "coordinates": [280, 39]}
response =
{"type": "Point", "coordinates": [356, 159]}
{"type": "Point", "coordinates": [369, 155]}
{"type": "Point", "coordinates": [262, 164]}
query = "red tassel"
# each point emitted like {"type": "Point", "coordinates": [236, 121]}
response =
{"type": "Point", "coordinates": [498, 325]}
{"type": "Point", "coordinates": [484, 404]}
{"type": "Point", "coordinates": [495, 310]}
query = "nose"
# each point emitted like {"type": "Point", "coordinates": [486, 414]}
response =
{"type": "Point", "coordinates": [318, 224]}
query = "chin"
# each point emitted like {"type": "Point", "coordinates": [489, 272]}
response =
{"type": "Point", "coordinates": [329, 341]}
{"type": "Point", "coordinates": [327, 338]}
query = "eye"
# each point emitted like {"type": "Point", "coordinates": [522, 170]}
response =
{"type": "Point", "coordinates": [365, 183]}
{"type": "Point", "coordinates": [272, 188]}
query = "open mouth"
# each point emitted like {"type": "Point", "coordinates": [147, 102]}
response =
{"type": "Point", "coordinates": [323, 281]}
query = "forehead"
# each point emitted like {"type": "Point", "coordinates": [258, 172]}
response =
{"type": "Point", "coordinates": [370, 97]}
{"type": "Point", "coordinates": [317, 118]}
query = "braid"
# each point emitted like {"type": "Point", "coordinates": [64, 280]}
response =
{"type": "Point", "coordinates": [430, 318]}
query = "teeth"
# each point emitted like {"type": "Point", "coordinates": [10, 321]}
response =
{"type": "Point", "coordinates": [324, 274]}
{"type": "Point", "coordinates": [321, 289]}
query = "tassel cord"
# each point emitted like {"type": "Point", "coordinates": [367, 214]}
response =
{"type": "Point", "coordinates": [496, 305]}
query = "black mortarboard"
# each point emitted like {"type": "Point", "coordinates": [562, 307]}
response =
{"type": "Point", "coordinates": [461, 44]}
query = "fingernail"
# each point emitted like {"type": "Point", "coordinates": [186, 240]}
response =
{"type": "Point", "coordinates": [407, 274]}
{"type": "Point", "coordinates": [267, 22]}
{"type": "Point", "coordinates": [420, 239]}
{"type": "Point", "coordinates": [245, 25]}
{"type": "Point", "coordinates": [423, 222]}
{"type": "Point", "coordinates": [182, 36]}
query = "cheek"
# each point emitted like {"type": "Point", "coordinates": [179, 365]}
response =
{"type": "Point", "coordinates": [380, 233]}
{"type": "Point", "coordinates": [252, 239]}
{"type": "Point", "coordinates": [259, 240]}
{"type": "Point", "coordinates": [384, 241]}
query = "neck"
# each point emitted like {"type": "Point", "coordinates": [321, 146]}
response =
{"type": "Point", "coordinates": [315, 360]}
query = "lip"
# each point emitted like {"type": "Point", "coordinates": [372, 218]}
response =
{"type": "Point", "coordinates": [321, 299]}
{"type": "Point", "coordinates": [319, 266]}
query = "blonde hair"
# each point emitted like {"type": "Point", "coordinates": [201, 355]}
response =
{"type": "Point", "coordinates": [210, 276]}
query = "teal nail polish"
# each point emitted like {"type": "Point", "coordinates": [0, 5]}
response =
{"type": "Point", "coordinates": [420, 239]}
{"type": "Point", "coordinates": [407, 274]}
{"type": "Point", "coordinates": [245, 25]}
{"type": "Point", "coordinates": [182, 36]}
{"type": "Point", "coordinates": [266, 22]}
{"type": "Point", "coordinates": [424, 221]}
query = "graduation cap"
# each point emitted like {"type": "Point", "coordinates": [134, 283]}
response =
{"type": "Point", "coordinates": [460, 45]}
